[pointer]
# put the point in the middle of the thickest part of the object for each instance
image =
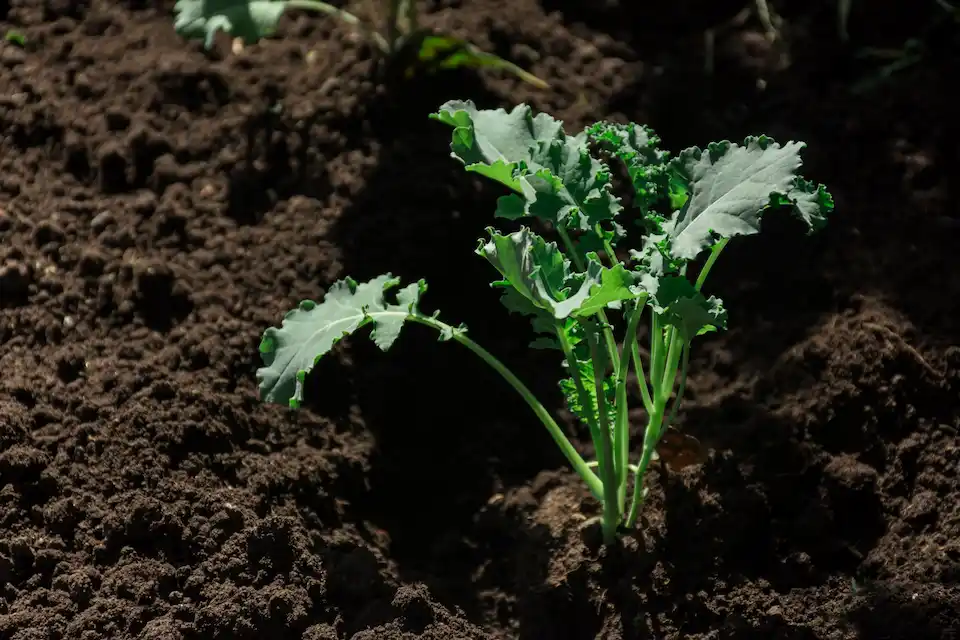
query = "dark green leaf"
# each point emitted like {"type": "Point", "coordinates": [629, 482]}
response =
{"type": "Point", "coordinates": [637, 147]}
{"type": "Point", "coordinates": [679, 304]}
{"type": "Point", "coordinates": [447, 52]}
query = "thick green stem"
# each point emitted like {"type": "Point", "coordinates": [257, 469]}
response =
{"type": "Point", "coordinates": [715, 251]}
{"type": "Point", "coordinates": [621, 431]}
{"type": "Point", "coordinates": [650, 439]}
{"type": "Point", "coordinates": [323, 7]}
{"type": "Point", "coordinates": [657, 355]}
{"type": "Point", "coordinates": [578, 463]}
{"type": "Point", "coordinates": [662, 390]}
{"type": "Point", "coordinates": [673, 343]}
{"type": "Point", "coordinates": [611, 506]}
{"type": "Point", "coordinates": [670, 370]}
{"type": "Point", "coordinates": [585, 399]}
{"type": "Point", "coordinates": [685, 362]}
{"type": "Point", "coordinates": [641, 377]}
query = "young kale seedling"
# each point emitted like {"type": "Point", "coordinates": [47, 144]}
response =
{"type": "Point", "coordinates": [569, 289]}
{"type": "Point", "coordinates": [401, 36]}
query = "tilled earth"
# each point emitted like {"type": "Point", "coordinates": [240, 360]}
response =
{"type": "Point", "coordinates": [161, 206]}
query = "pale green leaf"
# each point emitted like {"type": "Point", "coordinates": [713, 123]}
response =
{"type": "Point", "coordinates": [247, 19]}
{"type": "Point", "coordinates": [310, 331]}
{"type": "Point", "coordinates": [730, 186]}
{"type": "Point", "coordinates": [540, 273]}
{"type": "Point", "coordinates": [496, 137]}
{"type": "Point", "coordinates": [553, 175]}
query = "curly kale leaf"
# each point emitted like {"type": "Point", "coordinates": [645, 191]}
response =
{"type": "Point", "coordinates": [731, 186]}
{"type": "Point", "coordinates": [310, 331]}
{"type": "Point", "coordinates": [539, 272]}
{"type": "Point", "coordinates": [637, 147]}
{"type": "Point", "coordinates": [679, 304]}
{"type": "Point", "coordinates": [553, 175]}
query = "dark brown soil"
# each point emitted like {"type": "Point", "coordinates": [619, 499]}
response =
{"type": "Point", "coordinates": [158, 214]}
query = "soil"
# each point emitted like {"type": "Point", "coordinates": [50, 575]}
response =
{"type": "Point", "coordinates": [161, 206]}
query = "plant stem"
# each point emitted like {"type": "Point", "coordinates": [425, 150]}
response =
{"type": "Point", "coordinates": [612, 513]}
{"type": "Point", "coordinates": [657, 355]}
{"type": "Point", "coordinates": [715, 251]}
{"type": "Point", "coordinates": [670, 370]}
{"type": "Point", "coordinates": [578, 463]}
{"type": "Point", "coordinates": [685, 362]}
{"type": "Point", "coordinates": [607, 247]}
{"type": "Point", "coordinates": [650, 439]}
{"type": "Point", "coordinates": [372, 36]}
{"type": "Point", "coordinates": [641, 377]}
{"type": "Point", "coordinates": [673, 358]}
{"type": "Point", "coordinates": [621, 431]}
{"type": "Point", "coordinates": [662, 389]}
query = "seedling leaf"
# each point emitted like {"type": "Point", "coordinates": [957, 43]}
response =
{"type": "Point", "coordinates": [311, 330]}
{"type": "Point", "coordinates": [247, 19]}
{"type": "Point", "coordinates": [447, 52]}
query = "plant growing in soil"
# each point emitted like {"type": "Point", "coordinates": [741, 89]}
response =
{"type": "Point", "coordinates": [400, 40]}
{"type": "Point", "coordinates": [687, 205]}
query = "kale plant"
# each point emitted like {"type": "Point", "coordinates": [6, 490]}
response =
{"type": "Point", "coordinates": [400, 39]}
{"type": "Point", "coordinates": [688, 205]}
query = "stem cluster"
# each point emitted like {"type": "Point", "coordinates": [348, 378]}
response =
{"type": "Point", "coordinates": [608, 476]}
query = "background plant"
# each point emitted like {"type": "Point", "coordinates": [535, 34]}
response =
{"type": "Point", "coordinates": [401, 37]}
{"type": "Point", "coordinates": [687, 205]}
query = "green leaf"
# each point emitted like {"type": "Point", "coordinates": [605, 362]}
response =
{"type": "Point", "coordinates": [247, 19]}
{"type": "Point", "coordinates": [585, 366]}
{"type": "Point", "coordinates": [542, 278]}
{"type": "Point", "coordinates": [544, 324]}
{"type": "Point", "coordinates": [484, 137]}
{"type": "Point", "coordinates": [447, 52]}
{"type": "Point", "coordinates": [311, 330]}
{"type": "Point", "coordinates": [587, 414]}
{"type": "Point", "coordinates": [638, 148]}
{"type": "Point", "coordinates": [531, 265]}
{"type": "Point", "coordinates": [731, 186]}
{"type": "Point", "coordinates": [615, 285]}
{"type": "Point", "coordinates": [553, 175]}
{"type": "Point", "coordinates": [679, 304]}
{"type": "Point", "coordinates": [15, 37]}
